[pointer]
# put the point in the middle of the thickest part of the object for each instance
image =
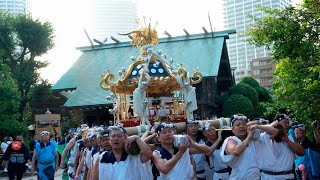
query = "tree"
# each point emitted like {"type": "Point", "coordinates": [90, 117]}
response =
{"type": "Point", "coordinates": [294, 36]}
{"type": "Point", "coordinates": [74, 119]}
{"type": "Point", "coordinates": [22, 40]}
{"type": "Point", "coordinates": [238, 104]}
{"type": "Point", "coordinates": [245, 90]}
{"type": "Point", "coordinates": [9, 95]}
{"type": "Point", "coordinates": [250, 81]}
{"type": "Point", "coordinates": [263, 94]}
{"type": "Point", "coordinates": [9, 100]}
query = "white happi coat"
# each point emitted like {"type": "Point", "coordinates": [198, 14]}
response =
{"type": "Point", "coordinates": [245, 166]}
{"type": "Point", "coordinates": [181, 171]}
{"type": "Point", "coordinates": [284, 158]}
{"type": "Point", "coordinates": [88, 158]}
{"type": "Point", "coordinates": [96, 157]}
{"type": "Point", "coordinates": [218, 164]}
{"type": "Point", "coordinates": [200, 160]}
{"type": "Point", "coordinates": [72, 157]}
{"type": "Point", "coordinates": [129, 167]}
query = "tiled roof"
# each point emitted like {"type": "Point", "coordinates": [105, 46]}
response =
{"type": "Point", "coordinates": [199, 50]}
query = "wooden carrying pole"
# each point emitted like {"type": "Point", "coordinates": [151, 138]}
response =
{"type": "Point", "coordinates": [181, 127]}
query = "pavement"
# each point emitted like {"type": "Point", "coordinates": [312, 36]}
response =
{"type": "Point", "coordinates": [29, 176]}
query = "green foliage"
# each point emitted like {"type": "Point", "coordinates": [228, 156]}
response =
{"type": "Point", "coordinates": [245, 90]}
{"type": "Point", "coordinates": [72, 121]}
{"type": "Point", "coordinates": [238, 104]}
{"type": "Point", "coordinates": [27, 116]}
{"type": "Point", "coordinates": [293, 34]}
{"type": "Point", "coordinates": [224, 97]}
{"type": "Point", "coordinates": [9, 95]}
{"type": "Point", "coordinates": [12, 128]}
{"type": "Point", "coordinates": [22, 39]}
{"type": "Point", "coordinates": [259, 110]}
{"type": "Point", "coordinates": [264, 95]}
{"type": "Point", "coordinates": [250, 81]}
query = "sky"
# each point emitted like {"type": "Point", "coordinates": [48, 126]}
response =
{"type": "Point", "coordinates": [70, 17]}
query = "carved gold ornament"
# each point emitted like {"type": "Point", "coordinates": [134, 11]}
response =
{"type": "Point", "coordinates": [106, 80]}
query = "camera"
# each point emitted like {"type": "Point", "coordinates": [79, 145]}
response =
{"type": "Point", "coordinates": [179, 139]}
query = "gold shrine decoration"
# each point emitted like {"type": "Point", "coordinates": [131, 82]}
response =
{"type": "Point", "coordinates": [143, 36]}
{"type": "Point", "coordinates": [106, 80]}
{"type": "Point", "coordinates": [196, 77]}
{"type": "Point", "coordinates": [182, 71]}
{"type": "Point", "coordinates": [129, 70]}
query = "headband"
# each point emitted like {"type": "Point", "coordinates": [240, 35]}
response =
{"type": "Point", "coordinates": [190, 121]}
{"type": "Point", "coordinates": [43, 133]}
{"type": "Point", "coordinates": [118, 127]}
{"type": "Point", "coordinates": [282, 117]}
{"type": "Point", "coordinates": [235, 117]}
{"type": "Point", "coordinates": [163, 126]}
{"type": "Point", "coordinates": [301, 126]}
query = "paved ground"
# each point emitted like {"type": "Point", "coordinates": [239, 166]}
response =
{"type": "Point", "coordinates": [28, 176]}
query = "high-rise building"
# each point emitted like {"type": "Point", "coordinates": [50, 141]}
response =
{"type": "Point", "coordinates": [237, 13]}
{"type": "Point", "coordinates": [110, 17]}
{"type": "Point", "coordinates": [15, 6]}
{"type": "Point", "coordinates": [262, 70]}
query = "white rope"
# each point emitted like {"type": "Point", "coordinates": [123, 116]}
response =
{"type": "Point", "coordinates": [228, 122]}
{"type": "Point", "coordinates": [221, 123]}
{"type": "Point", "coordinates": [200, 125]}
{"type": "Point", "coordinates": [139, 130]}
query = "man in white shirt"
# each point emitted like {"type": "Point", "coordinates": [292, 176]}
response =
{"type": "Point", "coordinates": [240, 152]}
{"type": "Point", "coordinates": [114, 165]}
{"type": "Point", "coordinates": [284, 150]}
{"type": "Point", "coordinates": [4, 145]}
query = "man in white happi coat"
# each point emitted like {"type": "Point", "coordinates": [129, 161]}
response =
{"type": "Point", "coordinates": [240, 151]}
{"type": "Point", "coordinates": [117, 164]}
{"type": "Point", "coordinates": [105, 146]}
{"type": "Point", "coordinates": [192, 127]}
{"type": "Point", "coordinates": [174, 163]}
{"type": "Point", "coordinates": [283, 150]}
{"type": "Point", "coordinates": [221, 169]}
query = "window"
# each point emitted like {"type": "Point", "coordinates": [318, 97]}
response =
{"type": "Point", "coordinates": [256, 63]}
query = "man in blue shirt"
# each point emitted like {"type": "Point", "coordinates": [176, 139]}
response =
{"type": "Point", "coordinates": [46, 156]}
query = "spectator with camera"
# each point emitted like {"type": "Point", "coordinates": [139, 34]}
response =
{"type": "Point", "coordinates": [240, 151]}
{"type": "Point", "coordinates": [309, 164]}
